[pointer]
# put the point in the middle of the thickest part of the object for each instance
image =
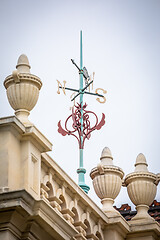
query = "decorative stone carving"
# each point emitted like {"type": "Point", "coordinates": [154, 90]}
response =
{"type": "Point", "coordinates": [68, 215]}
{"type": "Point", "coordinates": [80, 227]}
{"type": "Point", "coordinates": [55, 203]}
{"type": "Point", "coordinates": [22, 89]}
{"type": "Point", "coordinates": [43, 191]}
{"type": "Point", "coordinates": [107, 181]}
{"type": "Point", "coordinates": [141, 187]}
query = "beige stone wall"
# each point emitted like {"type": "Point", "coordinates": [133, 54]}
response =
{"type": "Point", "coordinates": [10, 155]}
{"type": "Point", "coordinates": [59, 206]}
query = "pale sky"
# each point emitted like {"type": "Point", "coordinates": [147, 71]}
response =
{"type": "Point", "coordinates": [121, 44]}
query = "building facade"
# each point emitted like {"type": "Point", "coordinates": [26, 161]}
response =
{"type": "Point", "coordinates": [39, 201]}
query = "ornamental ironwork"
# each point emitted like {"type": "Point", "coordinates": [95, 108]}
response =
{"type": "Point", "coordinates": [84, 129]}
{"type": "Point", "coordinates": [78, 123]}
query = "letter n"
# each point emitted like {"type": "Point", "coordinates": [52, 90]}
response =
{"type": "Point", "coordinates": [62, 87]}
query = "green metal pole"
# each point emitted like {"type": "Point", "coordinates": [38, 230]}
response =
{"type": "Point", "coordinates": [81, 171]}
{"type": "Point", "coordinates": [81, 96]}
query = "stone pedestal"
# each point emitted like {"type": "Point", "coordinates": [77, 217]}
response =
{"type": "Point", "coordinates": [20, 156]}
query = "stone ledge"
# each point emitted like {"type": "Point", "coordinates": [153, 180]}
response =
{"type": "Point", "coordinates": [12, 121]}
{"type": "Point", "coordinates": [30, 132]}
{"type": "Point", "coordinates": [33, 133]}
{"type": "Point", "coordinates": [143, 229]}
{"type": "Point", "coordinates": [36, 211]}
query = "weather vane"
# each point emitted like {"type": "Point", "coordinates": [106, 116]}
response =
{"type": "Point", "coordinates": [79, 119]}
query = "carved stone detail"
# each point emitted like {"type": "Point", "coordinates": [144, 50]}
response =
{"type": "Point", "coordinates": [107, 181]}
{"type": "Point", "coordinates": [68, 204]}
{"type": "Point", "coordinates": [68, 215]}
{"type": "Point", "coordinates": [43, 191]}
{"type": "Point", "coordinates": [81, 227]}
{"type": "Point", "coordinates": [141, 187]}
{"type": "Point", "coordinates": [22, 89]}
{"type": "Point", "coordinates": [55, 203]}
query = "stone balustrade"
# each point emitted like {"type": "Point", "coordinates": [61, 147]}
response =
{"type": "Point", "coordinates": [68, 199]}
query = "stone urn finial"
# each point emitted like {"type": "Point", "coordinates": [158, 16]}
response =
{"type": "Point", "coordinates": [107, 181]}
{"type": "Point", "coordinates": [22, 89]}
{"type": "Point", "coordinates": [141, 187]}
{"type": "Point", "coordinates": [23, 64]}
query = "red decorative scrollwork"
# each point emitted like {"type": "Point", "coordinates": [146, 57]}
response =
{"type": "Point", "coordinates": [83, 131]}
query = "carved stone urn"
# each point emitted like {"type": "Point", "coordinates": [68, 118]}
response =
{"type": "Point", "coordinates": [22, 89]}
{"type": "Point", "coordinates": [141, 187]}
{"type": "Point", "coordinates": [107, 181]}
